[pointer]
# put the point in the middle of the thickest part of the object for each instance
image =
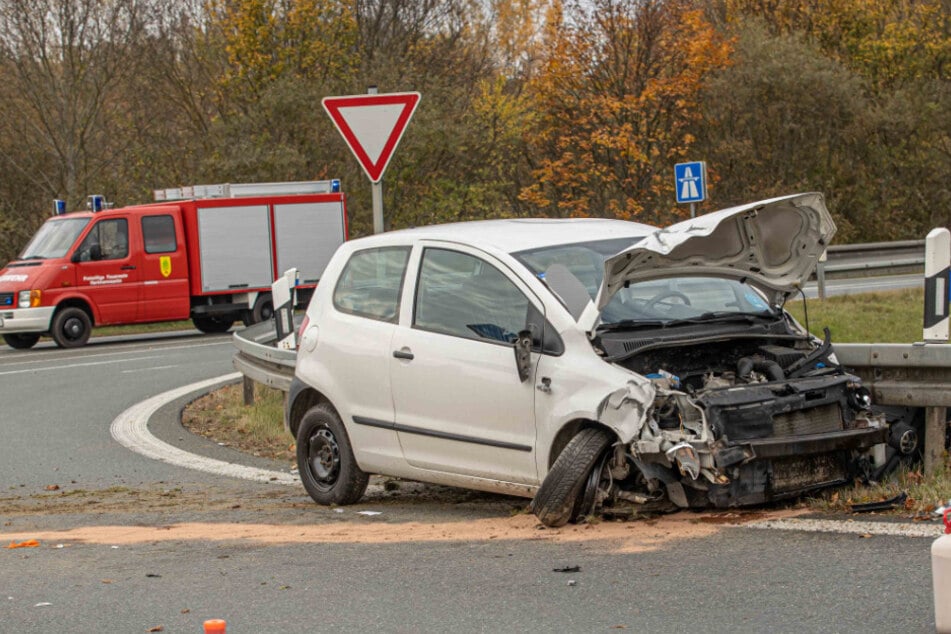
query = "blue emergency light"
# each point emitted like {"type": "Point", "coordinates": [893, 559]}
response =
{"type": "Point", "coordinates": [335, 185]}
{"type": "Point", "coordinates": [59, 207]}
{"type": "Point", "coordinates": [96, 203]}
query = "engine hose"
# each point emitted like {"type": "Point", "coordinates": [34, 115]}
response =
{"type": "Point", "coordinates": [747, 365]}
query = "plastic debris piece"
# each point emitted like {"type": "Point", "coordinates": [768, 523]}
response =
{"type": "Point", "coordinates": [30, 543]}
{"type": "Point", "coordinates": [338, 510]}
{"type": "Point", "coordinates": [567, 569]}
{"type": "Point", "coordinates": [884, 505]}
{"type": "Point", "coordinates": [572, 582]}
{"type": "Point", "coordinates": [114, 547]}
{"type": "Point", "coordinates": [42, 605]}
{"type": "Point", "coordinates": [369, 512]}
{"type": "Point", "coordinates": [61, 545]}
{"type": "Point", "coordinates": [153, 575]}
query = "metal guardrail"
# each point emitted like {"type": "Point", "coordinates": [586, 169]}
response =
{"type": "Point", "coordinates": [900, 256]}
{"type": "Point", "coordinates": [257, 358]}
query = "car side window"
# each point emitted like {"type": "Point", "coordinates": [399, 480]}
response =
{"type": "Point", "coordinates": [107, 240]}
{"type": "Point", "coordinates": [461, 295]}
{"type": "Point", "coordinates": [370, 283]}
{"type": "Point", "coordinates": [158, 232]}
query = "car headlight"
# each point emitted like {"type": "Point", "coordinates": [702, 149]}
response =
{"type": "Point", "coordinates": [29, 299]}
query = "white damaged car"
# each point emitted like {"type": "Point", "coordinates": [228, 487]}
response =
{"type": "Point", "coordinates": [582, 362]}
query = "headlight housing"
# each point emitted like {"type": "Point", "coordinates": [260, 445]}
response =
{"type": "Point", "coordinates": [28, 299]}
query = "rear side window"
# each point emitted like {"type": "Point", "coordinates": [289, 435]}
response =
{"type": "Point", "coordinates": [370, 283]}
{"type": "Point", "coordinates": [159, 234]}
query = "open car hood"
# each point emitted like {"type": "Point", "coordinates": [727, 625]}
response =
{"type": "Point", "coordinates": [772, 244]}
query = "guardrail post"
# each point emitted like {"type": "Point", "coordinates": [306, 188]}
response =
{"type": "Point", "coordinates": [248, 391]}
{"type": "Point", "coordinates": [936, 423]}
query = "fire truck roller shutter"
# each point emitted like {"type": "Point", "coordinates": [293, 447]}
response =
{"type": "Point", "coordinates": [235, 246]}
{"type": "Point", "coordinates": [307, 235]}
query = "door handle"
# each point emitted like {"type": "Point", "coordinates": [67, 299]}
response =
{"type": "Point", "coordinates": [403, 354]}
{"type": "Point", "coordinates": [127, 267]}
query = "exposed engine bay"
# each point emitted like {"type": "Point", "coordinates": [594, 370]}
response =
{"type": "Point", "coordinates": [740, 416]}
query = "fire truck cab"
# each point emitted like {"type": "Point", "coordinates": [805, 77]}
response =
{"type": "Point", "coordinates": [209, 253]}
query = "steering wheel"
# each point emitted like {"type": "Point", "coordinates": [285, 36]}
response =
{"type": "Point", "coordinates": [660, 297]}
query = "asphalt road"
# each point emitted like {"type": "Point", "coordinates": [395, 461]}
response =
{"type": "Point", "coordinates": [266, 559]}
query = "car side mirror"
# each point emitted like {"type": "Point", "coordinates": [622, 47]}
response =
{"type": "Point", "coordinates": [95, 252]}
{"type": "Point", "coordinates": [523, 354]}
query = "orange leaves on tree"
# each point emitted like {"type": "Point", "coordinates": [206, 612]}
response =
{"type": "Point", "coordinates": [618, 88]}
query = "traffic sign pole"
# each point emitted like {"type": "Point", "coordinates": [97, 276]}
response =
{"type": "Point", "coordinates": [377, 190]}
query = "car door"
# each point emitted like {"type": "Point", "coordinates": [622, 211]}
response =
{"type": "Point", "coordinates": [459, 404]}
{"type": "Point", "coordinates": [107, 270]}
{"type": "Point", "coordinates": [165, 293]}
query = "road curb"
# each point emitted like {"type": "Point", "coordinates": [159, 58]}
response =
{"type": "Point", "coordinates": [130, 429]}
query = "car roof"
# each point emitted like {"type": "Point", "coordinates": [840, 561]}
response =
{"type": "Point", "coordinates": [515, 234]}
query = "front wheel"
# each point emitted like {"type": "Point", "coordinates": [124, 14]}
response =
{"type": "Point", "coordinates": [212, 324]}
{"type": "Point", "coordinates": [21, 341]}
{"type": "Point", "coordinates": [325, 459]}
{"type": "Point", "coordinates": [71, 328]}
{"type": "Point", "coordinates": [556, 501]}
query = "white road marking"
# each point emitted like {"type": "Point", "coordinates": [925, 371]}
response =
{"type": "Point", "coordinates": [149, 369]}
{"type": "Point", "coordinates": [130, 429]}
{"type": "Point", "coordinates": [152, 348]}
{"type": "Point", "coordinates": [852, 527]}
{"type": "Point", "coordinates": [74, 365]}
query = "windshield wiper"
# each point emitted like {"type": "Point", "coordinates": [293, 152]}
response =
{"type": "Point", "coordinates": [722, 315]}
{"type": "Point", "coordinates": [631, 324]}
{"type": "Point", "coordinates": [705, 318]}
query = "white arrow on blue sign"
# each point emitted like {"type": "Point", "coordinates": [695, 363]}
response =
{"type": "Point", "coordinates": [691, 182]}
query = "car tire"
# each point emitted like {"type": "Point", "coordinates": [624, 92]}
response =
{"type": "Point", "coordinates": [71, 327]}
{"type": "Point", "coordinates": [213, 324]}
{"type": "Point", "coordinates": [325, 459]}
{"type": "Point", "coordinates": [21, 341]}
{"type": "Point", "coordinates": [554, 502]}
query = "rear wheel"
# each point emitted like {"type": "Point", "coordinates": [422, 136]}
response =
{"type": "Point", "coordinates": [556, 502]}
{"type": "Point", "coordinates": [71, 327]}
{"type": "Point", "coordinates": [325, 459]}
{"type": "Point", "coordinates": [263, 308]}
{"type": "Point", "coordinates": [212, 324]}
{"type": "Point", "coordinates": [21, 341]}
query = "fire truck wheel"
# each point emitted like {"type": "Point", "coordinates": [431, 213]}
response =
{"type": "Point", "coordinates": [21, 342]}
{"type": "Point", "coordinates": [71, 327]}
{"type": "Point", "coordinates": [210, 325]}
{"type": "Point", "coordinates": [263, 308]}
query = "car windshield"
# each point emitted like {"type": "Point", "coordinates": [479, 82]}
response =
{"type": "Point", "coordinates": [54, 238]}
{"type": "Point", "coordinates": [661, 302]}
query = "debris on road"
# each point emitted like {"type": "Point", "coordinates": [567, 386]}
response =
{"type": "Point", "coordinates": [567, 569]}
{"type": "Point", "coordinates": [30, 543]}
{"type": "Point", "coordinates": [884, 505]}
{"type": "Point", "coordinates": [42, 605]}
{"type": "Point", "coordinates": [370, 513]}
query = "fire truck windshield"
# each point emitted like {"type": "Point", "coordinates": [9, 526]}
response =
{"type": "Point", "coordinates": [54, 238]}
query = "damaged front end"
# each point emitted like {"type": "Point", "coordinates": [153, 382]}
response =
{"type": "Point", "coordinates": [738, 420]}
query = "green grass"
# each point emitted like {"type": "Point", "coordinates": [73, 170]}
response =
{"type": "Point", "coordinates": [142, 329]}
{"type": "Point", "coordinates": [886, 317]}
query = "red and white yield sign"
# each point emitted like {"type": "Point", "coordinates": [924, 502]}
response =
{"type": "Point", "coordinates": [372, 125]}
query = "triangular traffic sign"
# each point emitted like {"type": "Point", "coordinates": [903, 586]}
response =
{"type": "Point", "coordinates": [372, 125]}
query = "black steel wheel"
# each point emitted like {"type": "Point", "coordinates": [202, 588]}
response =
{"type": "Point", "coordinates": [71, 327]}
{"type": "Point", "coordinates": [556, 501]}
{"type": "Point", "coordinates": [325, 459]}
{"type": "Point", "coordinates": [21, 341]}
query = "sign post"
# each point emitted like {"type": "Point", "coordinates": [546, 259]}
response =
{"type": "Point", "coordinates": [690, 182]}
{"type": "Point", "coordinates": [372, 125]}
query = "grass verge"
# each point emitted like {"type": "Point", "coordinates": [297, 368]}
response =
{"type": "Point", "coordinates": [885, 317]}
{"type": "Point", "coordinates": [223, 417]}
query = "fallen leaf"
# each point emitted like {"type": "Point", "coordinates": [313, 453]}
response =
{"type": "Point", "coordinates": [865, 536]}
{"type": "Point", "coordinates": [52, 487]}
{"type": "Point", "coordinates": [106, 580]}
{"type": "Point", "coordinates": [157, 628]}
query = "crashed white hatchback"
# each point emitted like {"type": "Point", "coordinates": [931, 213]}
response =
{"type": "Point", "coordinates": [584, 362]}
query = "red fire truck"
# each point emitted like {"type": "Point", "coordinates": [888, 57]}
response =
{"type": "Point", "coordinates": [208, 252]}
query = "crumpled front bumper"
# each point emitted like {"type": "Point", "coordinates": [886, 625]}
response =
{"type": "Point", "coordinates": [32, 320]}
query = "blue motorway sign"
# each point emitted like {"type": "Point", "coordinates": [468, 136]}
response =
{"type": "Point", "coordinates": [691, 182]}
